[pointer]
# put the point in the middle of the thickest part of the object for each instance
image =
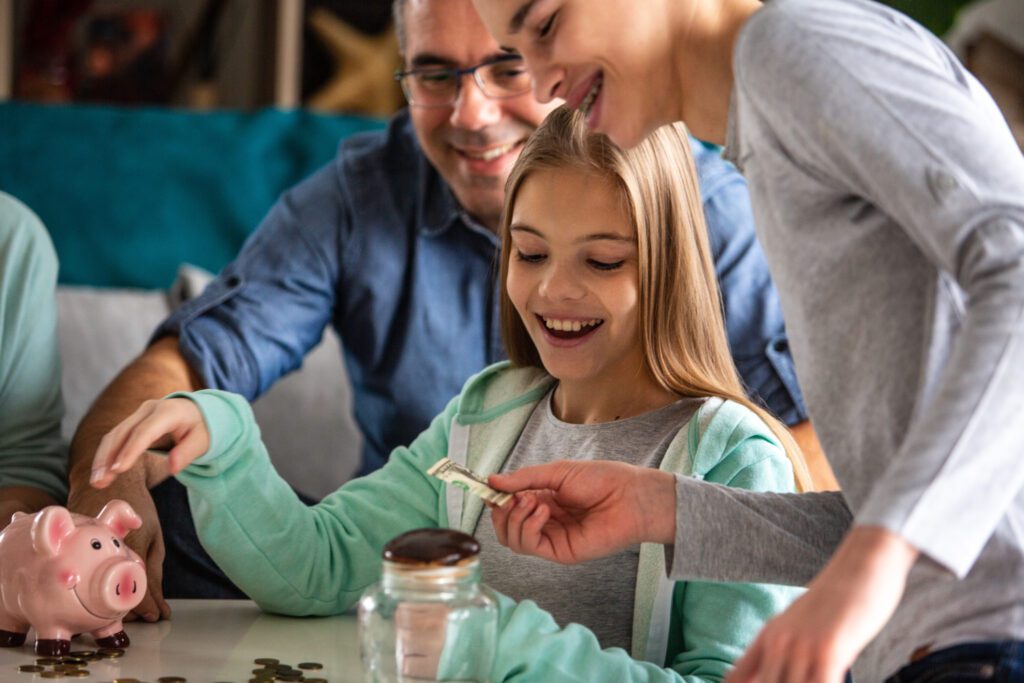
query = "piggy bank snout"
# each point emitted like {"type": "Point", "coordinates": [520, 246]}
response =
{"type": "Point", "coordinates": [120, 585]}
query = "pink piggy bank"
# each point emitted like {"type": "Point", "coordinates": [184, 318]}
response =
{"type": "Point", "coordinates": [63, 574]}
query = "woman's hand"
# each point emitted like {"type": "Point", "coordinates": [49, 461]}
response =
{"type": "Point", "coordinates": [176, 418]}
{"type": "Point", "coordinates": [571, 512]}
{"type": "Point", "coordinates": [844, 608]}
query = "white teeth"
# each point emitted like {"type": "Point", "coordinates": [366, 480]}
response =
{"type": "Point", "coordinates": [490, 154]}
{"type": "Point", "coordinates": [588, 101]}
{"type": "Point", "coordinates": [569, 325]}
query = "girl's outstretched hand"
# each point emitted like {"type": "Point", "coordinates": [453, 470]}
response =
{"type": "Point", "coordinates": [572, 511]}
{"type": "Point", "coordinates": [844, 608]}
{"type": "Point", "coordinates": [176, 418]}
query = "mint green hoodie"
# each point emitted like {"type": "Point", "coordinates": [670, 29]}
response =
{"type": "Point", "coordinates": [299, 560]}
{"type": "Point", "coordinates": [32, 452]}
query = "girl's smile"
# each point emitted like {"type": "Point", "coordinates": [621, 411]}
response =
{"type": "Point", "coordinates": [566, 331]}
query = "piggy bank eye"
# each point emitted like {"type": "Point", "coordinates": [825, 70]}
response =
{"type": "Point", "coordinates": [96, 545]}
{"type": "Point", "coordinates": [117, 543]}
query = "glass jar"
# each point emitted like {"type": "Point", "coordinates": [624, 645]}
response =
{"type": "Point", "coordinates": [429, 618]}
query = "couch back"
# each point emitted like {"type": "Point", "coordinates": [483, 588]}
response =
{"type": "Point", "coordinates": [129, 194]}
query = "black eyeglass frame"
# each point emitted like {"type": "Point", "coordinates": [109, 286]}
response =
{"type": "Point", "coordinates": [458, 73]}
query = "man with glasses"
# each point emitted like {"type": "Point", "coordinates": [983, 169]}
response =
{"type": "Point", "coordinates": [393, 244]}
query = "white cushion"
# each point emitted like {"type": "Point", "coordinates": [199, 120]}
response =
{"type": "Point", "coordinates": [306, 418]}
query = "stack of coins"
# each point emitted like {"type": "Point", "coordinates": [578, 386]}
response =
{"type": "Point", "coordinates": [71, 665]}
{"type": "Point", "coordinates": [275, 670]}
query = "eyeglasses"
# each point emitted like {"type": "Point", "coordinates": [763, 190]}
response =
{"type": "Point", "coordinates": [498, 79]}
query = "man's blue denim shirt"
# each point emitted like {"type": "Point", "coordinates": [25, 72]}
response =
{"type": "Point", "coordinates": [375, 244]}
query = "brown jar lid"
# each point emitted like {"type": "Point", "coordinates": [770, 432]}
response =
{"type": "Point", "coordinates": [438, 547]}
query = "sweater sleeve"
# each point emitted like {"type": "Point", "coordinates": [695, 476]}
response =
{"type": "Point", "coordinates": [910, 132]}
{"type": "Point", "coordinates": [32, 452]}
{"type": "Point", "coordinates": [290, 558]}
{"type": "Point", "coordinates": [533, 649]}
{"type": "Point", "coordinates": [728, 534]}
{"type": "Point", "coordinates": [738, 519]}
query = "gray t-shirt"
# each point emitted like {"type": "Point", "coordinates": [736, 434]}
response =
{"type": "Point", "coordinates": [889, 199]}
{"type": "Point", "coordinates": [599, 594]}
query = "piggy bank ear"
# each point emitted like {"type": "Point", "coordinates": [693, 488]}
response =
{"type": "Point", "coordinates": [50, 529]}
{"type": "Point", "coordinates": [119, 517]}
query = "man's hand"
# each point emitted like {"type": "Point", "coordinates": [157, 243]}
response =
{"type": "Point", "coordinates": [126, 445]}
{"type": "Point", "coordinates": [147, 540]}
{"type": "Point", "coordinates": [160, 370]}
{"type": "Point", "coordinates": [844, 608]}
{"type": "Point", "coordinates": [573, 512]}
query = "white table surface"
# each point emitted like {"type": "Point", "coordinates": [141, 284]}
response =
{"type": "Point", "coordinates": [213, 640]}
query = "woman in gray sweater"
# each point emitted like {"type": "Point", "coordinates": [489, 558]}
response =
{"type": "Point", "coordinates": [889, 198]}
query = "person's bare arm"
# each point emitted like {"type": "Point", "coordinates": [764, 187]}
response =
{"type": "Point", "coordinates": [22, 499]}
{"type": "Point", "coordinates": [814, 456]}
{"type": "Point", "coordinates": [160, 370]}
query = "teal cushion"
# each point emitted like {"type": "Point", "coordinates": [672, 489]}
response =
{"type": "Point", "coordinates": [128, 194]}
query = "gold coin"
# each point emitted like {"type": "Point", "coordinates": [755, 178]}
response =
{"type": "Point", "coordinates": [267, 661]}
{"type": "Point", "coordinates": [171, 679]}
{"type": "Point", "coordinates": [82, 653]}
{"type": "Point", "coordinates": [126, 680]}
{"type": "Point", "coordinates": [30, 668]}
{"type": "Point", "coordinates": [47, 661]}
{"type": "Point", "coordinates": [111, 652]}
{"type": "Point", "coordinates": [311, 666]}
{"type": "Point", "coordinates": [316, 680]}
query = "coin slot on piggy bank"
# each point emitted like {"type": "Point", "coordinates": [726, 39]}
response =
{"type": "Point", "coordinates": [62, 573]}
{"type": "Point", "coordinates": [429, 618]}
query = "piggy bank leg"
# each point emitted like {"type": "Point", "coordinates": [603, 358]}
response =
{"type": "Point", "coordinates": [111, 636]}
{"type": "Point", "coordinates": [52, 647]}
{"type": "Point", "coordinates": [12, 631]}
{"type": "Point", "coordinates": [12, 638]}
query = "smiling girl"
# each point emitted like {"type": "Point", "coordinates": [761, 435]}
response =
{"type": "Point", "coordinates": [614, 329]}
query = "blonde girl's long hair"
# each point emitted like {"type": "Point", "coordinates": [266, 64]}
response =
{"type": "Point", "coordinates": [681, 321]}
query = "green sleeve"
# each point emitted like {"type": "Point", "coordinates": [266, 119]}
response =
{"type": "Point", "coordinates": [714, 623]}
{"type": "Point", "coordinates": [32, 452]}
{"type": "Point", "coordinates": [532, 648]}
{"type": "Point", "coordinates": [288, 557]}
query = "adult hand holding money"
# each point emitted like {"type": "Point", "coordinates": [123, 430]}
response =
{"type": "Point", "coordinates": [572, 511]}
